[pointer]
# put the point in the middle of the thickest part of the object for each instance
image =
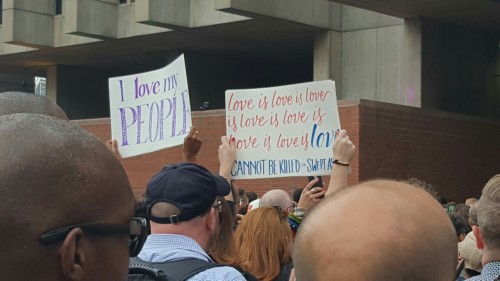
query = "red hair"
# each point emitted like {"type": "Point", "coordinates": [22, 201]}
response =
{"type": "Point", "coordinates": [264, 240]}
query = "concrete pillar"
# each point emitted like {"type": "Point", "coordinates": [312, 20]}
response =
{"type": "Point", "coordinates": [51, 84]}
{"type": "Point", "coordinates": [327, 57]}
{"type": "Point", "coordinates": [412, 65]}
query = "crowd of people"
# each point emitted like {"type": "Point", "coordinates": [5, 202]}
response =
{"type": "Point", "coordinates": [69, 214]}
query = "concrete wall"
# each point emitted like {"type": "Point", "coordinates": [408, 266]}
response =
{"type": "Point", "coordinates": [373, 54]}
{"type": "Point", "coordinates": [393, 141]}
{"type": "Point", "coordinates": [311, 12]}
{"type": "Point", "coordinates": [460, 70]}
{"type": "Point", "coordinates": [32, 26]}
{"type": "Point", "coordinates": [370, 56]}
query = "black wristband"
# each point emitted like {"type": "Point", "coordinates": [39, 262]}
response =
{"type": "Point", "coordinates": [341, 164]}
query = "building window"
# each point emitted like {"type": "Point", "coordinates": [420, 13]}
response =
{"type": "Point", "coordinates": [40, 88]}
{"type": "Point", "coordinates": [123, 1]}
{"type": "Point", "coordinates": [58, 7]}
{"type": "Point", "coordinates": [1, 11]}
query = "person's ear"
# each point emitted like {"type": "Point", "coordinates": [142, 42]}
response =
{"type": "Point", "coordinates": [211, 220]}
{"type": "Point", "coordinates": [479, 237]}
{"type": "Point", "coordinates": [72, 256]}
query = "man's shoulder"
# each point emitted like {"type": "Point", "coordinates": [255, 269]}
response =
{"type": "Point", "coordinates": [490, 271]}
{"type": "Point", "coordinates": [219, 273]}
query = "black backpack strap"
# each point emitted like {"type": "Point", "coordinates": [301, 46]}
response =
{"type": "Point", "coordinates": [179, 270]}
{"type": "Point", "coordinates": [183, 269]}
{"type": "Point", "coordinates": [139, 270]}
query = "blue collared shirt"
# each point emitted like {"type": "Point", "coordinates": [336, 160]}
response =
{"type": "Point", "coordinates": [171, 247]}
{"type": "Point", "coordinates": [489, 273]}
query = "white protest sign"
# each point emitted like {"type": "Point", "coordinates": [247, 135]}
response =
{"type": "Point", "coordinates": [150, 111]}
{"type": "Point", "coordinates": [283, 131]}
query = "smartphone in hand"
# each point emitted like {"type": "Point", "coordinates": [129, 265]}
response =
{"type": "Point", "coordinates": [319, 183]}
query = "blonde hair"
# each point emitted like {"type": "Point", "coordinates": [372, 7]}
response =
{"type": "Point", "coordinates": [264, 240]}
{"type": "Point", "coordinates": [488, 213]}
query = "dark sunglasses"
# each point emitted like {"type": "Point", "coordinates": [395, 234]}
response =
{"type": "Point", "coordinates": [137, 231]}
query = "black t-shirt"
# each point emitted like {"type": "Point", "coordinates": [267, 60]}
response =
{"type": "Point", "coordinates": [286, 270]}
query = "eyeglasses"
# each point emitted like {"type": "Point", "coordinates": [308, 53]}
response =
{"type": "Point", "coordinates": [138, 231]}
{"type": "Point", "coordinates": [218, 206]}
{"type": "Point", "coordinates": [288, 210]}
{"type": "Point", "coordinates": [281, 213]}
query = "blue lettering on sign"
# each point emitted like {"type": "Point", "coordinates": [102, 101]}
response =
{"type": "Point", "coordinates": [287, 166]}
{"type": "Point", "coordinates": [243, 168]}
{"type": "Point", "coordinates": [321, 164]}
{"type": "Point", "coordinates": [322, 139]}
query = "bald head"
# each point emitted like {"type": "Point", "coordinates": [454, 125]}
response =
{"type": "Point", "coordinates": [378, 230]}
{"type": "Point", "coordinates": [53, 174]}
{"type": "Point", "coordinates": [276, 197]}
{"type": "Point", "coordinates": [19, 102]}
{"type": "Point", "coordinates": [470, 201]}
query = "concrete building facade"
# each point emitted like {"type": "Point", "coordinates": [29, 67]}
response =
{"type": "Point", "coordinates": [443, 57]}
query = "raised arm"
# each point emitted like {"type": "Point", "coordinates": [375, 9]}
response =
{"type": "Point", "coordinates": [113, 146]}
{"type": "Point", "coordinates": [227, 156]}
{"type": "Point", "coordinates": [192, 145]}
{"type": "Point", "coordinates": [343, 151]}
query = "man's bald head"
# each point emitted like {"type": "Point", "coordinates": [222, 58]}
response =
{"type": "Point", "coordinates": [53, 174]}
{"type": "Point", "coordinates": [378, 230]}
{"type": "Point", "coordinates": [19, 102]}
{"type": "Point", "coordinates": [470, 201]}
{"type": "Point", "coordinates": [276, 197]}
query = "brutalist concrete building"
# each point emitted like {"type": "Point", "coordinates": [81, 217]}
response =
{"type": "Point", "coordinates": [439, 55]}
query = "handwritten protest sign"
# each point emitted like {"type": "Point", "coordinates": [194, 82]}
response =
{"type": "Point", "coordinates": [150, 111]}
{"type": "Point", "coordinates": [283, 131]}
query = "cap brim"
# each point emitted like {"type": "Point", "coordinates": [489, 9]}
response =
{"type": "Point", "coordinates": [223, 187]}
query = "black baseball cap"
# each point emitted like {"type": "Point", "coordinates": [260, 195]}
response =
{"type": "Point", "coordinates": [188, 186]}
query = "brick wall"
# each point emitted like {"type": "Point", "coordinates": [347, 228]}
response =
{"type": "Point", "coordinates": [456, 153]}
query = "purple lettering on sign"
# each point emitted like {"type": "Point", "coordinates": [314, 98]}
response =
{"type": "Point", "coordinates": [121, 89]}
{"type": "Point", "coordinates": [152, 121]}
{"type": "Point", "coordinates": [140, 122]}
{"type": "Point", "coordinates": [162, 114]}
{"type": "Point", "coordinates": [124, 123]}
{"type": "Point", "coordinates": [170, 82]}
{"type": "Point", "coordinates": [185, 112]}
